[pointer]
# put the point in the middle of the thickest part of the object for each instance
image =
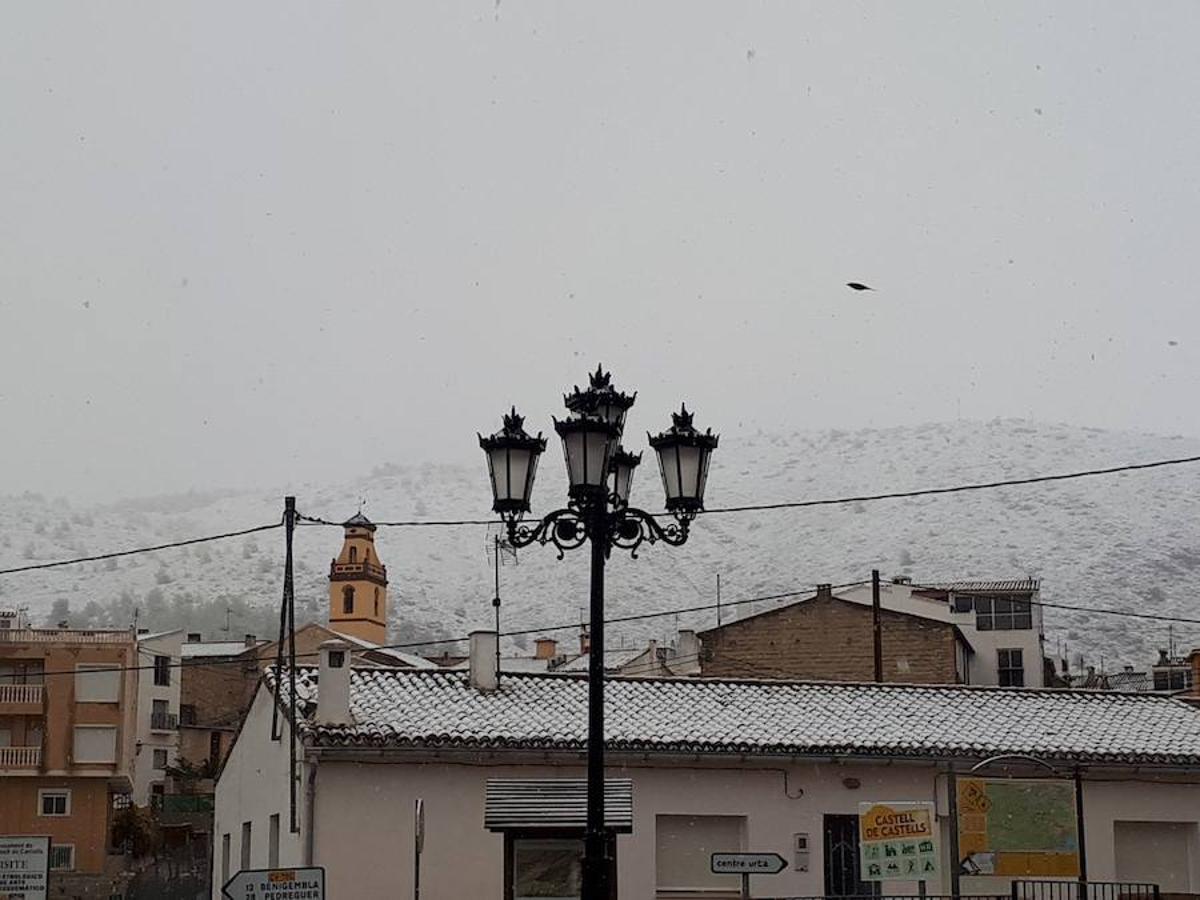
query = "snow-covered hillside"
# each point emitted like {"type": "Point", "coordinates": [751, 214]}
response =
{"type": "Point", "coordinates": [1130, 542]}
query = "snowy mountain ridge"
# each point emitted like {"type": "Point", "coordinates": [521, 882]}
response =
{"type": "Point", "coordinates": [1126, 542]}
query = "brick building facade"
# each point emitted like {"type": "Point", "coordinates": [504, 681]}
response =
{"type": "Point", "coordinates": [830, 639]}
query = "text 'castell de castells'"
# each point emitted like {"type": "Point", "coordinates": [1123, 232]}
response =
{"type": "Point", "coordinates": [898, 841]}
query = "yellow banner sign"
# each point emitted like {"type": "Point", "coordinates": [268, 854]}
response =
{"type": "Point", "coordinates": [898, 841]}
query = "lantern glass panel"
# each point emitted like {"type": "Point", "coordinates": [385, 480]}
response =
{"type": "Point", "coordinates": [689, 462]}
{"type": "Point", "coordinates": [622, 481]}
{"type": "Point", "coordinates": [667, 463]}
{"type": "Point", "coordinates": [587, 451]}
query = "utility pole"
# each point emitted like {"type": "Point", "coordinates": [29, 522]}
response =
{"type": "Point", "coordinates": [876, 626]}
{"type": "Point", "coordinates": [718, 599]}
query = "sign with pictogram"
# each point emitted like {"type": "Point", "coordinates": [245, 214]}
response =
{"type": "Point", "coordinates": [898, 841]}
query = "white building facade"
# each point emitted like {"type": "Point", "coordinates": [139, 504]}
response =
{"type": "Point", "coordinates": [709, 765]}
{"type": "Point", "coordinates": [157, 744]}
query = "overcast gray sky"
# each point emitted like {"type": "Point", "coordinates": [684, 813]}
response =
{"type": "Point", "coordinates": [244, 244]}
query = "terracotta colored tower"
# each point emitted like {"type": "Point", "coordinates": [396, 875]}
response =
{"type": "Point", "coordinates": [358, 585]}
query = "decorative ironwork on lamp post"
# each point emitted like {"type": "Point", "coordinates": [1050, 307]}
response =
{"type": "Point", "coordinates": [599, 475]}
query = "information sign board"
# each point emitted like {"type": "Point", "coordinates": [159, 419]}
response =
{"type": "Point", "coordinates": [25, 866]}
{"type": "Point", "coordinates": [898, 841]}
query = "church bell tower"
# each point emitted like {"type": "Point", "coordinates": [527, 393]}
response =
{"type": "Point", "coordinates": [358, 585]}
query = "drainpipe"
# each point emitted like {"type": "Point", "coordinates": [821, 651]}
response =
{"type": "Point", "coordinates": [310, 808]}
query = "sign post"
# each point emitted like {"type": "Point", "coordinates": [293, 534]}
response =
{"type": "Point", "coordinates": [276, 884]}
{"type": "Point", "coordinates": [898, 842]}
{"type": "Point", "coordinates": [747, 864]}
{"type": "Point", "coordinates": [418, 845]}
{"type": "Point", "coordinates": [25, 866]}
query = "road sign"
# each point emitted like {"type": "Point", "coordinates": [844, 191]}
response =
{"type": "Point", "coordinates": [898, 841]}
{"type": "Point", "coordinates": [276, 884]}
{"type": "Point", "coordinates": [25, 867]}
{"type": "Point", "coordinates": [748, 863]}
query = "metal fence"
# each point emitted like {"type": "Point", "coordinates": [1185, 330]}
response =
{"type": "Point", "coordinates": [1081, 890]}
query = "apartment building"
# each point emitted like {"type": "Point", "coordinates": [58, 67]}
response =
{"type": "Point", "coordinates": [157, 746]}
{"type": "Point", "coordinates": [68, 732]}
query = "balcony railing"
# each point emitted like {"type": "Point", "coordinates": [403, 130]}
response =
{"type": "Point", "coordinates": [20, 693]}
{"type": "Point", "coordinates": [63, 636]}
{"type": "Point", "coordinates": [164, 721]}
{"type": "Point", "coordinates": [20, 757]}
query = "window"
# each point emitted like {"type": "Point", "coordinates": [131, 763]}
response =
{"type": "Point", "coordinates": [95, 744]}
{"type": "Point", "coordinates": [187, 714]}
{"type": "Point", "coordinates": [1002, 614]}
{"type": "Point", "coordinates": [214, 747]}
{"type": "Point", "coordinates": [224, 858]}
{"type": "Point", "coordinates": [1011, 667]}
{"type": "Point", "coordinates": [1172, 679]}
{"type": "Point", "coordinates": [160, 716]}
{"type": "Point", "coordinates": [353, 554]}
{"type": "Point", "coordinates": [245, 845]}
{"type": "Point", "coordinates": [684, 847]}
{"type": "Point", "coordinates": [273, 842]}
{"type": "Point", "coordinates": [21, 671]}
{"type": "Point", "coordinates": [97, 683]}
{"type": "Point", "coordinates": [62, 857]}
{"type": "Point", "coordinates": [162, 671]}
{"type": "Point", "coordinates": [377, 603]}
{"type": "Point", "coordinates": [54, 803]}
{"type": "Point", "coordinates": [160, 758]}
{"type": "Point", "coordinates": [547, 868]}
{"type": "Point", "coordinates": [347, 599]}
{"type": "Point", "coordinates": [963, 604]}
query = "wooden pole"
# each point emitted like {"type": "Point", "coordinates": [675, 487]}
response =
{"type": "Point", "coordinates": [876, 626]}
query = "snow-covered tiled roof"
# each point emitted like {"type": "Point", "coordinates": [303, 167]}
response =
{"type": "Point", "coordinates": [509, 664]}
{"type": "Point", "coordinates": [196, 649]}
{"type": "Point", "coordinates": [613, 659]}
{"type": "Point", "coordinates": [405, 708]}
{"type": "Point", "coordinates": [1010, 586]}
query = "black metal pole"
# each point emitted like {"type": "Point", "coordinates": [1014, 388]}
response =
{"type": "Point", "coordinates": [1081, 834]}
{"type": "Point", "coordinates": [595, 865]}
{"type": "Point", "coordinates": [289, 595]}
{"type": "Point", "coordinates": [876, 626]}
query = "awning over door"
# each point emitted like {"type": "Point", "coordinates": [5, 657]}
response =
{"type": "Point", "coordinates": [554, 803]}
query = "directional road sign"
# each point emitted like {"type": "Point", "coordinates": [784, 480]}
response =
{"type": "Point", "coordinates": [276, 884]}
{"type": "Point", "coordinates": [748, 863]}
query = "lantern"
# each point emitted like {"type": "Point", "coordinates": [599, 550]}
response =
{"type": "Point", "coordinates": [512, 463]}
{"type": "Point", "coordinates": [683, 457]}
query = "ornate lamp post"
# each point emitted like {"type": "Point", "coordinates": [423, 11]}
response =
{"type": "Point", "coordinates": [599, 475]}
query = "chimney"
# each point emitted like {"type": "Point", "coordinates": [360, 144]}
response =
{"type": "Point", "coordinates": [251, 640]}
{"type": "Point", "coordinates": [194, 637]}
{"type": "Point", "coordinates": [824, 591]}
{"type": "Point", "coordinates": [1129, 668]}
{"type": "Point", "coordinates": [687, 646]}
{"type": "Point", "coordinates": [333, 684]}
{"type": "Point", "coordinates": [1163, 660]}
{"type": "Point", "coordinates": [547, 648]}
{"type": "Point", "coordinates": [585, 641]}
{"type": "Point", "coordinates": [485, 652]}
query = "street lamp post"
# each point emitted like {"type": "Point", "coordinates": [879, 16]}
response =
{"type": "Point", "coordinates": [599, 474]}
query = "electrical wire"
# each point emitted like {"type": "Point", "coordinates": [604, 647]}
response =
{"type": "Point", "coordinates": [616, 620]}
{"type": "Point", "coordinates": [119, 553]}
{"type": "Point", "coordinates": [828, 501]}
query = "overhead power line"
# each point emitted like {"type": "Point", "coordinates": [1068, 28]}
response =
{"type": "Point", "coordinates": [615, 620]}
{"type": "Point", "coordinates": [827, 501]}
{"type": "Point", "coordinates": [118, 553]}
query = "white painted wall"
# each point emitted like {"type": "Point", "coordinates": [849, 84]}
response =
{"type": "Point", "coordinates": [253, 786]}
{"type": "Point", "coordinates": [364, 831]}
{"type": "Point", "coordinates": [148, 740]}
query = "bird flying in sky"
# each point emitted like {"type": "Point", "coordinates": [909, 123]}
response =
{"type": "Point", "coordinates": [858, 286]}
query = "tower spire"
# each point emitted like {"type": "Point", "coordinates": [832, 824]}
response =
{"type": "Point", "coordinates": [358, 584]}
